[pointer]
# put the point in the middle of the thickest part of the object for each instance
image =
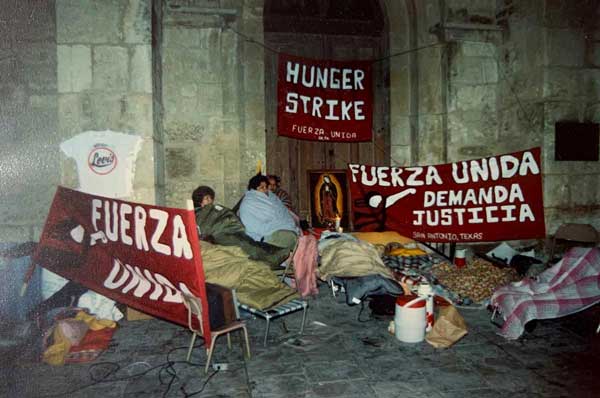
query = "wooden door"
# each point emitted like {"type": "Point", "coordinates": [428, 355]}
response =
{"type": "Point", "coordinates": [291, 158]}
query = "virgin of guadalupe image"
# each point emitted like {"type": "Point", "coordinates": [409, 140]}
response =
{"type": "Point", "coordinates": [328, 198]}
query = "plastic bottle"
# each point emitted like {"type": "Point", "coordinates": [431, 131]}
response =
{"type": "Point", "coordinates": [424, 290]}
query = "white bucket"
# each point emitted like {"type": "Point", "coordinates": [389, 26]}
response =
{"type": "Point", "coordinates": [410, 320]}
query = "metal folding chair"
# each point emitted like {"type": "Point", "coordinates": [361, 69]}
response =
{"type": "Point", "coordinates": [194, 308]}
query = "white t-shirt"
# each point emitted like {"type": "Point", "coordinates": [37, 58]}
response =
{"type": "Point", "coordinates": [105, 161]}
{"type": "Point", "coordinates": [106, 166]}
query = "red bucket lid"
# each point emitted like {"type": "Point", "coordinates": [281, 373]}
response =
{"type": "Point", "coordinates": [403, 300]}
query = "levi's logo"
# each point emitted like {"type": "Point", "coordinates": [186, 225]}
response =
{"type": "Point", "coordinates": [102, 160]}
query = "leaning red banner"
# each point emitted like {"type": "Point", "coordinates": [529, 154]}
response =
{"type": "Point", "coordinates": [481, 200]}
{"type": "Point", "coordinates": [140, 255]}
{"type": "Point", "coordinates": [324, 100]}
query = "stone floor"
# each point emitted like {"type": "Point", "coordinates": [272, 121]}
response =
{"type": "Point", "coordinates": [340, 356]}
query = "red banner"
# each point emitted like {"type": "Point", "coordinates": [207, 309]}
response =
{"type": "Point", "coordinates": [324, 100]}
{"type": "Point", "coordinates": [140, 255]}
{"type": "Point", "coordinates": [481, 200]}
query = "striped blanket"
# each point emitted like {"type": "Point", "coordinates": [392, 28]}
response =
{"type": "Point", "coordinates": [569, 286]}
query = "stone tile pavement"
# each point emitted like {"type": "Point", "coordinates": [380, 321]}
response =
{"type": "Point", "coordinates": [338, 356]}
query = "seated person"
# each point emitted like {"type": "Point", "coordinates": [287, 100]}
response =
{"type": "Point", "coordinates": [275, 187]}
{"type": "Point", "coordinates": [218, 224]}
{"type": "Point", "coordinates": [265, 217]}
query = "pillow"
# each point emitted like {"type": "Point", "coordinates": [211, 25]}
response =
{"type": "Point", "coordinates": [382, 238]}
{"type": "Point", "coordinates": [403, 252]}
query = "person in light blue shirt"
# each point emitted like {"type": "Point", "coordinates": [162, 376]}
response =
{"type": "Point", "coordinates": [265, 217]}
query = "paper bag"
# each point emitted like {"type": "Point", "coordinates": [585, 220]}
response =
{"type": "Point", "coordinates": [448, 328]}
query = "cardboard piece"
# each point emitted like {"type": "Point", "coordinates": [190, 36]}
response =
{"type": "Point", "coordinates": [449, 327]}
{"type": "Point", "coordinates": [135, 315]}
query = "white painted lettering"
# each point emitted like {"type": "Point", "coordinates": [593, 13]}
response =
{"type": "Point", "coordinates": [293, 70]}
{"type": "Point", "coordinates": [525, 213]}
{"type": "Point", "coordinates": [181, 245]}
{"type": "Point", "coordinates": [161, 216]}
{"type": "Point", "coordinates": [382, 176]}
{"type": "Point", "coordinates": [291, 103]}
{"type": "Point", "coordinates": [96, 204]}
{"type": "Point", "coordinates": [139, 216]}
{"type": "Point", "coordinates": [111, 228]}
{"type": "Point", "coordinates": [124, 210]}
{"type": "Point", "coordinates": [412, 179]}
{"type": "Point", "coordinates": [528, 165]}
{"type": "Point", "coordinates": [509, 165]}
{"type": "Point", "coordinates": [359, 75]}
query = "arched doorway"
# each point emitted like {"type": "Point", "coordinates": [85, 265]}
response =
{"type": "Point", "coordinates": [324, 29]}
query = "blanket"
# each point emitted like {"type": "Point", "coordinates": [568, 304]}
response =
{"type": "Point", "coordinates": [569, 286]}
{"type": "Point", "coordinates": [255, 284]}
{"type": "Point", "coordinates": [305, 266]}
{"type": "Point", "coordinates": [220, 225]}
{"type": "Point", "coordinates": [351, 258]}
{"type": "Point", "coordinates": [262, 214]}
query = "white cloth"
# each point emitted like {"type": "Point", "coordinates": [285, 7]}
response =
{"type": "Point", "coordinates": [102, 307]}
{"type": "Point", "coordinates": [504, 252]}
{"type": "Point", "coordinates": [105, 161]}
{"type": "Point", "coordinates": [51, 283]}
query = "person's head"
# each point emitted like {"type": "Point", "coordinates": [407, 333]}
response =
{"type": "Point", "coordinates": [203, 196]}
{"type": "Point", "coordinates": [326, 179]}
{"type": "Point", "coordinates": [274, 182]}
{"type": "Point", "coordinates": [259, 183]}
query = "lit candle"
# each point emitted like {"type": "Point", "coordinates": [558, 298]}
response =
{"type": "Point", "coordinates": [337, 223]}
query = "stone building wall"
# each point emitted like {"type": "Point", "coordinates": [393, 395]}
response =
{"type": "Point", "coordinates": [571, 92]}
{"type": "Point", "coordinates": [29, 162]}
{"type": "Point", "coordinates": [473, 39]}
{"type": "Point", "coordinates": [549, 71]}
{"type": "Point", "coordinates": [104, 70]}
{"type": "Point", "coordinates": [213, 98]}
{"type": "Point", "coordinates": [68, 66]}
{"type": "Point", "coordinates": [507, 71]}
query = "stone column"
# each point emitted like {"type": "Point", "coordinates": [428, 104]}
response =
{"type": "Point", "coordinates": [431, 139]}
{"type": "Point", "coordinates": [253, 144]}
{"type": "Point", "coordinates": [213, 97]}
{"type": "Point", "coordinates": [403, 79]}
